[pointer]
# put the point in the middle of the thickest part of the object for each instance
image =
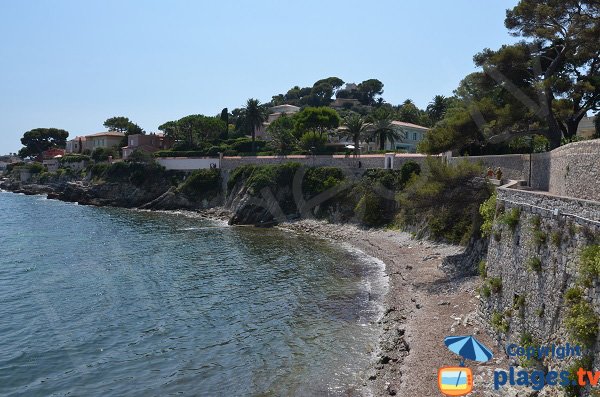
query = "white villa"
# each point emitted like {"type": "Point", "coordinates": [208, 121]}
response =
{"type": "Point", "coordinates": [413, 134]}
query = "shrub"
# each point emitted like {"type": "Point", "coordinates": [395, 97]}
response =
{"type": "Point", "coordinates": [445, 199]}
{"type": "Point", "coordinates": [573, 389]}
{"type": "Point", "coordinates": [498, 235]}
{"type": "Point", "coordinates": [485, 290]}
{"type": "Point", "coordinates": [35, 167]}
{"type": "Point", "coordinates": [536, 222]}
{"type": "Point", "coordinates": [74, 158]}
{"type": "Point", "coordinates": [409, 169]}
{"type": "Point", "coordinates": [102, 154]}
{"type": "Point", "coordinates": [499, 323]}
{"type": "Point", "coordinates": [556, 238]}
{"type": "Point", "coordinates": [511, 218]}
{"type": "Point", "coordinates": [495, 284]}
{"type": "Point", "coordinates": [519, 302]}
{"type": "Point", "coordinates": [319, 179]}
{"type": "Point", "coordinates": [201, 181]}
{"type": "Point", "coordinates": [582, 323]}
{"type": "Point", "coordinates": [481, 269]}
{"type": "Point", "coordinates": [573, 296]}
{"type": "Point", "coordinates": [589, 265]}
{"type": "Point", "coordinates": [539, 238]}
{"type": "Point", "coordinates": [534, 264]}
{"type": "Point", "coordinates": [487, 209]}
{"type": "Point", "coordinates": [311, 140]}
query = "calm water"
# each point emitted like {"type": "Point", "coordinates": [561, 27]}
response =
{"type": "Point", "coordinates": [107, 301]}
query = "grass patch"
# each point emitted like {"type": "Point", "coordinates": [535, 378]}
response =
{"type": "Point", "coordinates": [499, 322]}
{"type": "Point", "coordinates": [581, 321]}
{"type": "Point", "coordinates": [589, 265]}
{"type": "Point", "coordinates": [534, 264]}
{"type": "Point", "coordinates": [482, 269]}
{"type": "Point", "coordinates": [495, 284]}
{"type": "Point", "coordinates": [487, 210]}
{"type": "Point", "coordinates": [539, 238]}
{"type": "Point", "coordinates": [556, 239]}
{"type": "Point", "coordinates": [485, 290]}
{"type": "Point", "coordinates": [511, 218]}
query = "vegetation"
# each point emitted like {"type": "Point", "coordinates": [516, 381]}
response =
{"type": "Point", "coordinates": [511, 218]}
{"type": "Point", "coordinates": [138, 174]}
{"type": "Point", "coordinates": [482, 269]}
{"type": "Point", "coordinates": [556, 238]}
{"type": "Point", "coordinates": [495, 284]}
{"type": "Point", "coordinates": [557, 61]}
{"type": "Point", "coordinates": [499, 322]}
{"type": "Point", "coordinates": [40, 139]}
{"type": "Point", "coordinates": [444, 202]}
{"type": "Point", "coordinates": [589, 265]}
{"type": "Point", "coordinates": [201, 181]}
{"type": "Point", "coordinates": [103, 154]}
{"type": "Point", "coordinates": [487, 210]}
{"type": "Point", "coordinates": [534, 264]}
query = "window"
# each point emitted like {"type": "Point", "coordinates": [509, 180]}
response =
{"type": "Point", "coordinates": [414, 136]}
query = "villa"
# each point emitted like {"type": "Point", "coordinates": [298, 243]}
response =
{"type": "Point", "coordinates": [107, 139]}
{"type": "Point", "coordinates": [147, 143]}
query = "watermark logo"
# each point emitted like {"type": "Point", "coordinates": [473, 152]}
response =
{"type": "Point", "coordinates": [458, 381]}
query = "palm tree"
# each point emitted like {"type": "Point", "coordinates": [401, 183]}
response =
{"type": "Point", "coordinates": [437, 108]}
{"type": "Point", "coordinates": [356, 129]}
{"type": "Point", "coordinates": [382, 128]}
{"type": "Point", "coordinates": [254, 117]}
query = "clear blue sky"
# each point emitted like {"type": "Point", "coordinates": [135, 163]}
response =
{"type": "Point", "coordinates": [71, 64]}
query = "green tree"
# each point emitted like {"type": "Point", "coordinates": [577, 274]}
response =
{"type": "Point", "coordinates": [561, 63]}
{"type": "Point", "coordinates": [281, 132]}
{"type": "Point", "coordinates": [436, 109]}
{"type": "Point", "coordinates": [368, 90]}
{"type": "Point", "coordinates": [319, 120]}
{"type": "Point", "coordinates": [254, 116]}
{"type": "Point", "coordinates": [383, 129]}
{"type": "Point", "coordinates": [117, 123]}
{"type": "Point", "coordinates": [409, 112]}
{"type": "Point", "coordinates": [597, 126]}
{"type": "Point", "coordinates": [356, 129]}
{"type": "Point", "coordinates": [198, 128]}
{"type": "Point", "coordinates": [40, 139]}
{"type": "Point", "coordinates": [170, 130]}
{"type": "Point", "coordinates": [225, 118]}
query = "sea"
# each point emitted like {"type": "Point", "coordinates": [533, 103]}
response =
{"type": "Point", "coordinates": [99, 301]}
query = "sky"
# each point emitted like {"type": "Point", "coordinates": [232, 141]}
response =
{"type": "Point", "coordinates": [72, 64]}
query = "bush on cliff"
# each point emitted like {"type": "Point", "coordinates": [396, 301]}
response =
{"type": "Point", "coordinates": [445, 201]}
{"type": "Point", "coordinates": [487, 210]}
{"type": "Point", "coordinates": [590, 264]}
{"type": "Point", "coordinates": [319, 179]}
{"type": "Point", "coordinates": [137, 174]}
{"type": "Point", "coordinates": [201, 181]}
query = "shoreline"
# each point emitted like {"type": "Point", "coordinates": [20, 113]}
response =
{"type": "Point", "coordinates": [423, 304]}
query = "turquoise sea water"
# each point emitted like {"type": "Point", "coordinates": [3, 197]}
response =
{"type": "Point", "coordinates": [108, 301]}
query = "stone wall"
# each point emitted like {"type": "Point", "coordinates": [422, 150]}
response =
{"type": "Point", "coordinates": [575, 170]}
{"type": "Point", "coordinates": [571, 170]}
{"type": "Point", "coordinates": [367, 161]}
{"type": "Point", "coordinates": [553, 229]}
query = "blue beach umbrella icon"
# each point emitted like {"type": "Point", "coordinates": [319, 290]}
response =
{"type": "Point", "coordinates": [468, 348]}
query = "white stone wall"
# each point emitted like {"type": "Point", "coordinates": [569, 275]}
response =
{"type": "Point", "coordinates": [188, 163]}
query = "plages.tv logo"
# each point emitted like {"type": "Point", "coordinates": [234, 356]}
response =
{"type": "Point", "coordinates": [458, 380]}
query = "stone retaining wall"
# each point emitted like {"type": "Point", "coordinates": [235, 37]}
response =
{"type": "Point", "coordinates": [366, 161]}
{"type": "Point", "coordinates": [572, 170]}
{"type": "Point", "coordinates": [530, 301]}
